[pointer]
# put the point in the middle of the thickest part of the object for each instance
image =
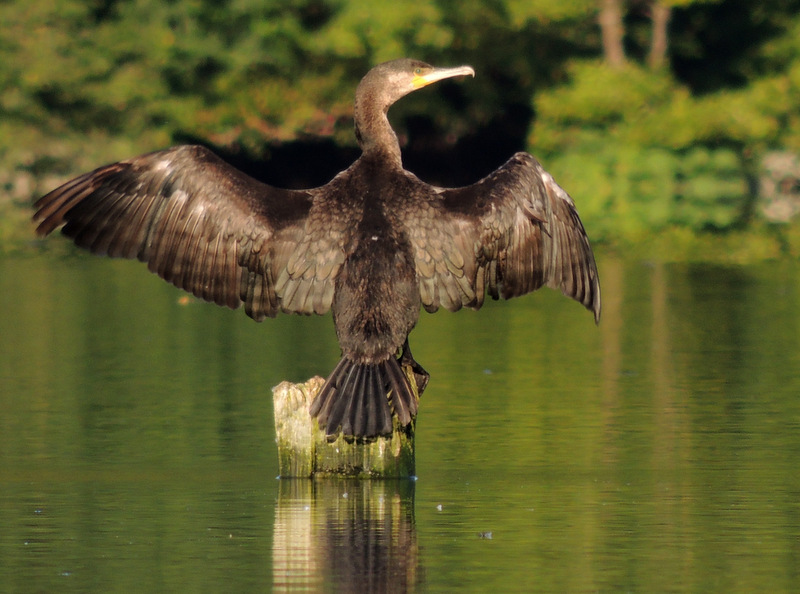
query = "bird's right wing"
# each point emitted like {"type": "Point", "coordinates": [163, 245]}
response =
{"type": "Point", "coordinates": [205, 227]}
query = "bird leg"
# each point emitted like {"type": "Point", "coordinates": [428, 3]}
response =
{"type": "Point", "coordinates": [420, 375]}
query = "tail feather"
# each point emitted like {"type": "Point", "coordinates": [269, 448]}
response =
{"type": "Point", "coordinates": [376, 416]}
{"type": "Point", "coordinates": [403, 402]}
{"type": "Point", "coordinates": [340, 404]}
{"type": "Point", "coordinates": [358, 399]}
{"type": "Point", "coordinates": [322, 405]}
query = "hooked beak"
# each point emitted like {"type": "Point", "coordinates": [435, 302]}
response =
{"type": "Point", "coordinates": [438, 74]}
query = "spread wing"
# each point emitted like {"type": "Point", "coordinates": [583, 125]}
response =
{"type": "Point", "coordinates": [204, 226]}
{"type": "Point", "coordinates": [509, 234]}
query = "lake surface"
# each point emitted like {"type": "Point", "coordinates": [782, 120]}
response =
{"type": "Point", "coordinates": [658, 451]}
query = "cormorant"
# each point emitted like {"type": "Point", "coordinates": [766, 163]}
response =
{"type": "Point", "coordinates": [374, 244]}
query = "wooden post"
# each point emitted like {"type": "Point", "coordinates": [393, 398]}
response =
{"type": "Point", "coordinates": [304, 450]}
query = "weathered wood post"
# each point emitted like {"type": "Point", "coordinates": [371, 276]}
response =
{"type": "Point", "coordinates": [304, 450]}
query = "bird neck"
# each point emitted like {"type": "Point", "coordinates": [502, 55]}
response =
{"type": "Point", "coordinates": [374, 132]}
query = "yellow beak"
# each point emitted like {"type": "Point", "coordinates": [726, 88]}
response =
{"type": "Point", "coordinates": [437, 74]}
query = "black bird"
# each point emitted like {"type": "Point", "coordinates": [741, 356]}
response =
{"type": "Point", "coordinates": [373, 244]}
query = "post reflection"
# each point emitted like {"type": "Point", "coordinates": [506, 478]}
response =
{"type": "Point", "coordinates": [345, 536]}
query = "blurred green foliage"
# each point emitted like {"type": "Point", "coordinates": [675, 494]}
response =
{"type": "Point", "coordinates": [649, 155]}
{"type": "Point", "coordinates": [642, 149]}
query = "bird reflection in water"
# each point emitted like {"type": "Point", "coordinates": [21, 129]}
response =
{"type": "Point", "coordinates": [345, 536]}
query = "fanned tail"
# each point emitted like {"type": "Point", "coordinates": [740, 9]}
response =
{"type": "Point", "coordinates": [358, 399]}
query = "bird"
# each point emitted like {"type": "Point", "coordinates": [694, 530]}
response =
{"type": "Point", "coordinates": [375, 245]}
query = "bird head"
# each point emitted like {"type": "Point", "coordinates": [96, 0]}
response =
{"type": "Point", "coordinates": [397, 78]}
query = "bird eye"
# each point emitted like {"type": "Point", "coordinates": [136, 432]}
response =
{"type": "Point", "coordinates": [417, 70]}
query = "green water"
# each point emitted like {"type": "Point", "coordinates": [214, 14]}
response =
{"type": "Point", "coordinates": [658, 451]}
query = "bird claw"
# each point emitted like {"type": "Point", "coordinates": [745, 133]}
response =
{"type": "Point", "coordinates": [421, 376]}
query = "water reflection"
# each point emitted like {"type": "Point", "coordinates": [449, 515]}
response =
{"type": "Point", "coordinates": [345, 535]}
{"type": "Point", "coordinates": [137, 447]}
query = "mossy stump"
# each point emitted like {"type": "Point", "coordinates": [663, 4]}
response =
{"type": "Point", "coordinates": [304, 450]}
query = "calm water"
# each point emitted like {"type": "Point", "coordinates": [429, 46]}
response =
{"type": "Point", "coordinates": [658, 451]}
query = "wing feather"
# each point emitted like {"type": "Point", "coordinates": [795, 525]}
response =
{"type": "Point", "coordinates": [509, 234]}
{"type": "Point", "coordinates": [203, 226]}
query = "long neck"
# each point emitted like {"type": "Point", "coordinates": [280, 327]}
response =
{"type": "Point", "coordinates": [373, 131]}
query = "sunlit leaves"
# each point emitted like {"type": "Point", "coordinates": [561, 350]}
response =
{"type": "Point", "coordinates": [600, 95]}
{"type": "Point", "coordinates": [711, 190]}
{"type": "Point", "coordinates": [78, 77]}
{"type": "Point", "coordinates": [522, 11]}
{"type": "Point", "coordinates": [383, 30]}
{"type": "Point", "coordinates": [625, 191]}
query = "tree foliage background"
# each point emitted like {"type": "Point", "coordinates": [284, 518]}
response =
{"type": "Point", "coordinates": [654, 114]}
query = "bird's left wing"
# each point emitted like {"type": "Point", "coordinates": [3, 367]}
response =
{"type": "Point", "coordinates": [509, 234]}
{"type": "Point", "coordinates": [202, 225]}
